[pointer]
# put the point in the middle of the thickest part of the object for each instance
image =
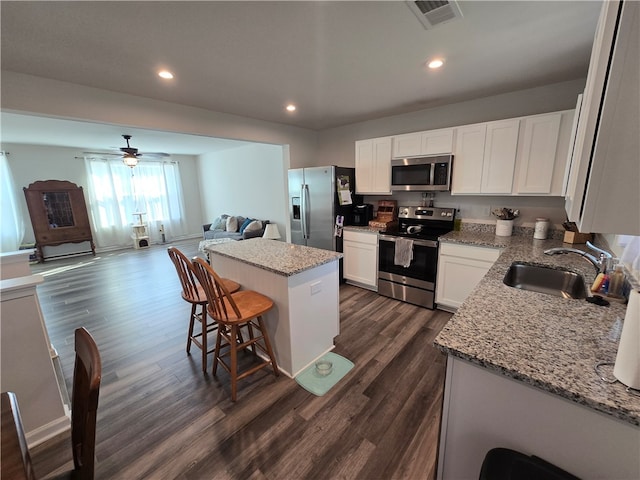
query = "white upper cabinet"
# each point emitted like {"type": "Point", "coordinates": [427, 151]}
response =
{"type": "Point", "coordinates": [520, 156]}
{"type": "Point", "coordinates": [435, 142]}
{"type": "Point", "coordinates": [431, 142]}
{"type": "Point", "coordinates": [373, 166]}
{"type": "Point", "coordinates": [537, 155]}
{"type": "Point", "coordinates": [603, 194]}
{"type": "Point", "coordinates": [543, 153]}
{"type": "Point", "coordinates": [407, 145]}
{"type": "Point", "coordinates": [484, 158]}
{"type": "Point", "coordinates": [468, 158]}
{"type": "Point", "coordinates": [517, 156]}
{"type": "Point", "coordinates": [499, 157]}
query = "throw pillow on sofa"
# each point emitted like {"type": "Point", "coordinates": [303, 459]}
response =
{"type": "Point", "coordinates": [244, 225]}
{"type": "Point", "coordinates": [232, 224]}
{"type": "Point", "coordinates": [219, 223]}
{"type": "Point", "coordinates": [253, 226]}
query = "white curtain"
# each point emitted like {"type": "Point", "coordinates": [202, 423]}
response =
{"type": "Point", "coordinates": [116, 192]}
{"type": "Point", "coordinates": [11, 222]}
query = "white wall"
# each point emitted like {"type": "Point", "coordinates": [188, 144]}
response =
{"type": "Point", "coordinates": [30, 163]}
{"type": "Point", "coordinates": [28, 94]}
{"type": "Point", "coordinates": [248, 181]}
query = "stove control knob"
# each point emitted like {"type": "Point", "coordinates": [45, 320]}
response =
{"type": "Point", "coordinates": [448, 214]}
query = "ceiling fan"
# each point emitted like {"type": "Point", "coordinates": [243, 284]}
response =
{"type": "Point", "coordinates": [129, 154]}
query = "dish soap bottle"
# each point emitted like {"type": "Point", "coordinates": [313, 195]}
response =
{"type": "Point", "coordinates": [616, 282]}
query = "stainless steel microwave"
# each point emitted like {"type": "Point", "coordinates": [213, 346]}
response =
{"type": "Point", "coordinates": [424, 174]}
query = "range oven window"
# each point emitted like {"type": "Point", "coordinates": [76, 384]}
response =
{"type": "Point", "coordinates": [422, 267]}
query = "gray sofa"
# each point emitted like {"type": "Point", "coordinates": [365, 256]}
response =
{"type": "Point", "coordinates": [219, 229]}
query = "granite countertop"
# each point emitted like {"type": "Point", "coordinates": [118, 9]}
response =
{"type": "Point", "coordinates": [278, 257]}
{"type": "Point", "coordinates": [363, 228]}
{"type": "Point", "coordinates": [545, 341]}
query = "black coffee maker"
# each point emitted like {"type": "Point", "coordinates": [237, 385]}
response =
{"type": "Point", "coordinates": [362, 214]}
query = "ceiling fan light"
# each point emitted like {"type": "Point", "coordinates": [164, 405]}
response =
{"type": "Point", "coordinates": [130, 160]}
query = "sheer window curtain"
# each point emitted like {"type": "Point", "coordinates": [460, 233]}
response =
{"type": "Point", "coordinates": [11, 221]}
{"type": "Point", "coordinates": [116, 192]}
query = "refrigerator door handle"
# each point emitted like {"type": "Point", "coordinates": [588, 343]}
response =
{"type": "Point", "coordinates": [304, 195]}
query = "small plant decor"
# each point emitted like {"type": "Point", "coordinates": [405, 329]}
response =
{"type": "Point", "coordinates": [506, 213]}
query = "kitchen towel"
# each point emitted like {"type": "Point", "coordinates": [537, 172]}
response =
{"type": "Point", "coordinates": [627, 366]}
{"type": "Point", "coordinates": [403, 252]}
{"type": "Point", "coordinates": [311, 381]}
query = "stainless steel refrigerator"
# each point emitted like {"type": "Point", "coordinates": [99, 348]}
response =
{"type": "Point", "coordinates": [317, 195]}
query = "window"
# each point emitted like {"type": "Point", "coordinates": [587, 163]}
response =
{"type": "Point", "coordinates": [116, 192]}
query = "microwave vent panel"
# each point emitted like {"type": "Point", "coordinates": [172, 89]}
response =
{"type": "Point", "coordinates": [433, 13]}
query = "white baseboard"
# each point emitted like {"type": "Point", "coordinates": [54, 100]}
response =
{"type": "Point", "coordinates": [48, 431]}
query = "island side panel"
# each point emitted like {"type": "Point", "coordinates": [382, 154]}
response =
{"type": "Point", "coordinates": [273, 286]}
{"type": "Point", "coordinates": [483, 410]}
{"type": "Point", "coordinates": [314, 309]}
{"type": "Point", "coordinates": [27, 366]}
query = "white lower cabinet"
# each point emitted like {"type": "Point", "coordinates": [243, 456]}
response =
{"type": "Point", "coordinates": [483, 409]}
{"type": "Point", "coordinates": [360, 261]}
{"type": "Point", "coordinates": [460, 269]}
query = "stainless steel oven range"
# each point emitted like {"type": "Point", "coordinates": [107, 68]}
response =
{"type": "Point", "coordinates": [415, 283]}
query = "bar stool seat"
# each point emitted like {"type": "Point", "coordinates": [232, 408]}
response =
{"type": "Point", "coordinates": [232, 311]}
{"type": "Point", "coordinates": [193, 293]}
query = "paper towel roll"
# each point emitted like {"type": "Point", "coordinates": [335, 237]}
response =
{"type": "Point", "coordinates": [627, 366]}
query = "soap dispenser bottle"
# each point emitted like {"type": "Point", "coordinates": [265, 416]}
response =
{"type": "Point", "coordinates": [616, 282]}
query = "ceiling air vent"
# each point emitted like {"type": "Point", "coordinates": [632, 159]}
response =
{"type": "Point", "coordinates": [433, 13]}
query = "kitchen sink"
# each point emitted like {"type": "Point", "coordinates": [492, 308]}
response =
{"type": "Point", "coordinates": [542, 279]}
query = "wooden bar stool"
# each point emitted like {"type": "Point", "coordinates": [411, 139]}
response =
{"type": "Point", "coordinates": [193, 293]}
{"type": "Point", "coordinates": [233, 311]}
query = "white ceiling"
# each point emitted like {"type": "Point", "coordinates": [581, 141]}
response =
{"type": "Point", "coordinates": [340, 62]}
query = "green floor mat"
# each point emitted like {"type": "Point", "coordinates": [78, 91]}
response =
{"type": "Point", "coordinates": [310, 380]}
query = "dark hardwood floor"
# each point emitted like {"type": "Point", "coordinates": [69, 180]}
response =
{"type": "Point", "coordinates": [160, 417]}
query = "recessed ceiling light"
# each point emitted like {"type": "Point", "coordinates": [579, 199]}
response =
{"type": "Point", "coordinates": [291, 107]}
{"type": "Point", "coordinates": [435, 63]}
{"type": "Point", "coordinates": [166, 74]}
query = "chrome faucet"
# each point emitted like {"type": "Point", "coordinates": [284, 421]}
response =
{"type": "Point", "coordinates": [599, 263]}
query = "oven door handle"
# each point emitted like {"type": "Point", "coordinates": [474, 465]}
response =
{"type": "Point", "coordinates": [420, 243]}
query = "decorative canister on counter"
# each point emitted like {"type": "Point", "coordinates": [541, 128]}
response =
{"type": "Point", "coordinates": [541, 228]}
{"type": "Point", "coordinates": [504, 228]}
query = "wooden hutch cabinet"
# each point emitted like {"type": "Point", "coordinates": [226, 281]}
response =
{"type": "Point", "coordinates": [58, 215]}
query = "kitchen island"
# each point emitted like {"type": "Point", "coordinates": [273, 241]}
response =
{"type": "Point", "coordinates": [303, 283]}
{"type": "Point", "coordinates": [521, 373]}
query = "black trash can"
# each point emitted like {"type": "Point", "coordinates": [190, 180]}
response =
{"type": "Point", "coordinates": [507, 464]}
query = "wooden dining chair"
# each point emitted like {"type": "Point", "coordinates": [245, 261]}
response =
{"type": "Point", "coordinates": [87, 374]}
{"type": "Point", "coordinates": [233, 311]}
{"type": "Point", "coordinates": [193, 293]}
